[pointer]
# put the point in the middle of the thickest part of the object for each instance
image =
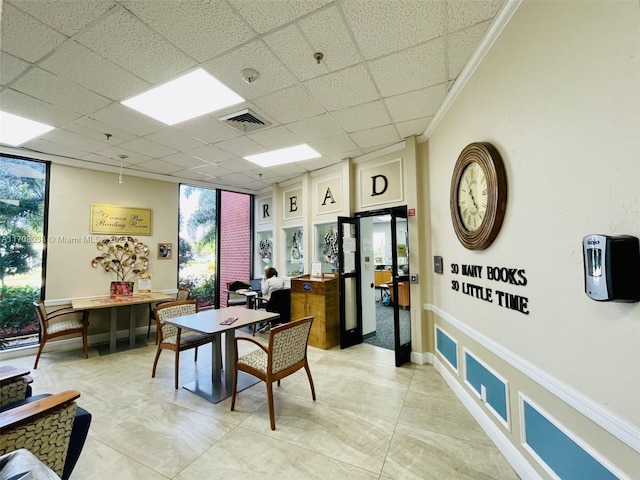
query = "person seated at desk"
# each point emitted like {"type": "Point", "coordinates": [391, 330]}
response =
{"type": "Point", "coordinates": [270, 283]}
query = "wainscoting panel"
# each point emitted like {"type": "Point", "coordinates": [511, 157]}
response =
{"type": "Point", "coordinates": [488, 386]}
{"type": "Point", "coordinates": [447, 347]}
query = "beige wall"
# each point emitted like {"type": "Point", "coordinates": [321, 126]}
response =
{"type": "Point", "coordinates": [558, 96]}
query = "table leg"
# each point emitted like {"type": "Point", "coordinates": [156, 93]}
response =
{"type": "Point", "coordinates": [132, 327]}
{"type": "Point", "coordinates": [113, 330]}
{"type": "Point", "coordinates": [216, 359]}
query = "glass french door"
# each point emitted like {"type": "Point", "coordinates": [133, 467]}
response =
{"type": "Point", "coordinates": [400, 285]}
{"type": "Point", "coordinates": [349, 282]}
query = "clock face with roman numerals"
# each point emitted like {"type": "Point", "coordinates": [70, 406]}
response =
{"type": "Point", "coordinates": [478, 195]}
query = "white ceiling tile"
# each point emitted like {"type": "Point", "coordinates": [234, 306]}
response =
{"type": "Point", "coordinates": [329, 35]}
{"type": "Point", "coordinates": [211, 170]}
{"type": "Point", "coordinates": [174, 138]}
{"type": "Point", "coordinates": [375, 137]}
{"type": "Point", "coordinates": [135, 47]}
{"type": "Point", "coordinates": [34, 109]}
{"type": "Point", "coordinates": [241, 146]}
{"type": "Point", "coordinates": [361, 117]}
{"type": "Point", "coordinates": [66, 16]}
{"type": "Point", "coordinates": [80, 142]}
{"type": "Point", "coordinates": [273, 75]}
{"type": "Point", "coordinates": [120, 116]}
{"type": "Point", "coordinates": [462, 45]}
{"type": "Point", "coordinates": [266, 15]}
{"type": "Point", "coordinates": [413, 127]}
{"type": "Point", "coordinates": [159, 166]}
{"type": "Point", "coordinates": [132, 158]}
{"type": "Point", "coordinates": [411, 69]}
{"type": "Point", "coordinates": [393, 26]}
{"type": "Point", "coordinates": [348, 87]}
{"type": "Point", "coordinates": [82, 66]}
{"type": "Point", "coordinates": [11, 68]}
{"type": "Point", "coordinates": [238, 165]}
{"type": "Point", "coordinates": [463, 13]}
{"type": "Point", "coordinates": [98, 130]}
{"type": "Point", "coordinates": [103, 160]}
{"type": "Point", "coordinates": [25, 37]}
{"type": "Point", "coordinates": [295, 52]}
{"type": "Point", "coordinates": [421, 103]}
{"type": "Point", "coordinates": [210, 154]}
{"type": "Point", "coordinates": [291, 169]}
{"type": "Point", "coordinates": [53, 148]}
{"type": "Point", "coordinates": [290, 105]}
{"type": "Point", "coordinates": [56, 90]}
{"type": "Point", "coordinates": [195, 175]}
{"type": "Point", "coordinates": [322, 162]}
{"type": "Point", "coordinates": [315, 128]}
{"type": "Point", "coordinates": [184, 160]}
{"type": "Point", "coordinates": [207, 129]}
{"type": "Point", "coordinates": [148, 147]}
{"type": "Point", "coordinates": [201, 29]}
{"type": "Point", "coordinates": [334, 145]}
{"type": "Point", "coordinates": [275, 138]}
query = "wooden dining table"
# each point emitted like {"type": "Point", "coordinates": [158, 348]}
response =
{"type": "Point", "coordinates": [113, 303]}
{"type": "Point", "coordinates": [219, 386]}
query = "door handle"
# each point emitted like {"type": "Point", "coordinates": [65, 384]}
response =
{"type": "Point", "coordinates": [372, 285]}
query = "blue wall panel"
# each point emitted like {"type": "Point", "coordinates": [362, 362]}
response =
{"type": "Point", "coordinates": [564, 456]}
{"type": "Point", "coordinates": [477, 375]}
{"type": "Point", "coordinates": [447, 347]}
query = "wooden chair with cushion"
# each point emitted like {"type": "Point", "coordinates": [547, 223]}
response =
{"type": "Point", "coordinates": [286, 354]}
{"type": "Point", "coordinates": [174, 338]}
{"type": "Point", "coordinates": [183, 294]}
{"type": "Point", "coordinates": [233, 298]}
{"type": "Point", "coordinates": [59, 322]}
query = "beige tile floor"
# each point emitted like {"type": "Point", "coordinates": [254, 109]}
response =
{"type": "Point", "coordinates": [371, 420]}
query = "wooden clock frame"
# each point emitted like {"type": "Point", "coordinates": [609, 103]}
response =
{"type": "Point", "coordinates": [488, 158]}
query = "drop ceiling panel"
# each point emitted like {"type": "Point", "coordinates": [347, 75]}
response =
{"type": "Point", "coordinates": [241, 146]}
{"type": "Point", "coordinates": [11, 68]}
{"type": "Point", "coordinates": [98, 159]}
{"type": "Point", "coordinates": [266, 15]}
{"type": "Point", "coordinates": [133, 158]}
{"type": "Point", "coordinates": [34, 109]}
{"type": "Point", "coordinates": [346, 88]}
{"type": "Point", "coordinates": [275, 138]}
{"type": "Point", "coordinates": [407, 128]}
{"type": "Point", "coordinates": [25, 37]}
{"type": "Point", "coordinates": [56, 90]}
{"type": "Point", "coordinates": [185, 161]}
{"type": "Point", "coordinates": [295, 52]}
{"type": "Point", "coordinates": [420, 67]}
{"type": "Point", "coordinates": [159, 166]}
{"type": "Point", "coordinates": [148, 147]}
{"type": "Point", "coordinates": [361, 117]}
{"type": "Point", "coordinates": [42, 145]}
{"type": "Point", "coordinates": [203, 30]}
{"type": "Point", "coordinates": [273, 75]}
{"type": "Point", "coordinates": [62, 136]}
{"type": "Point", "coordinates": [290, 105]}
{"type": "Point", "coordinates": [376, 137]}
{"type": "Point", "coordinates": [462, 45]}
{"type": "Point", "coordinates": [84, 67]}
{"type": "Point", "coordinates": [95, 129]}
{"type": "Point", "coordinates": [462, 14]}
{"type": "Point", "coordinates": [120, 116]}
{"type": "Point", "coordinates": [328, 34]}
{"type": "Point", "coordinates": [174, 138]}
{"type": "Point", "coordinates": [315, 128]}
{"type": "Point", "coordinates": [238, 165]}
{"type": "Point", "coordinates": [66, 16]}
{"type": "Point", "coordinates": [211, 154]}
{"type": "Point", "coordinates": [211, 170]}
{"type": "Point", "coordinates": [335, 145]}
{"type": "Point", "coordinates": [135, 47]}
{"type": "Point", "coordinates": [422, 103]}
{"type": "Point", "coordinates": [393, 26]}
{"type": "Point", "coordinates": [207, 129]}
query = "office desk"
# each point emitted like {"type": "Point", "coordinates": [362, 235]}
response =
{"type": "Point", "coordinates": [219, 386]}
{"type": "Point", "coordinates": [95, 303]}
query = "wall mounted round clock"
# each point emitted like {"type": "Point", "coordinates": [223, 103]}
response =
{"type": "Point", "coordinates": [478, 197]}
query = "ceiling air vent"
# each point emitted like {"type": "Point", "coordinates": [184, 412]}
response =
{"type": "Point", "coordinates": [246, 121]}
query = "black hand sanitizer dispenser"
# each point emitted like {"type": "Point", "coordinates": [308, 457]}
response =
{"type": "Point", "coordinates": [612, 267]}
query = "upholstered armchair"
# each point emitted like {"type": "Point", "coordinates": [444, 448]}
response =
{"type": "Point", "coordinates": [285, 354]}
{"type": "Point", "coordinates": [233, 298]}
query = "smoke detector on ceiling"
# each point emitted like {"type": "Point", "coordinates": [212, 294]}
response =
{"type": "Point", "coordinates": [249, 75]}
{"type": "Point", "coordinates": [245, 121]}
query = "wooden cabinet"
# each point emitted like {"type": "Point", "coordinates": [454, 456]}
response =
{"type": "Point", "coordinates": [381, 276]}
{"type": "Point", "coordinates": [403, 293]}
{"type": "Point", "coordinates": [318, 297]}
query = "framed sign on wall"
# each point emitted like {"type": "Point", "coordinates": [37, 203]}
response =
{"type": "Point", "coordinates": [114, 219]}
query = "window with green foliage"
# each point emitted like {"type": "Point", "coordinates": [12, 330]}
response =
{"type": "Point", "coordinates": [23, 187]}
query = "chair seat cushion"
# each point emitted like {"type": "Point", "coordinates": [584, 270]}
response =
{"type": "Point", "coordinates": [256, 359]}
{"type": "Point", "coordinates": [187, 337]}
{"type": "Point", "coordinates": [64, 325]}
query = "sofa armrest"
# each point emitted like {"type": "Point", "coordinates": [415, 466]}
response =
{"type": "Point", "coordinates": [14, 384]}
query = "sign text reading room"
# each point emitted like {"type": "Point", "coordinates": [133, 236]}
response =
{"type": "Point", "coordinates": [511, 276]}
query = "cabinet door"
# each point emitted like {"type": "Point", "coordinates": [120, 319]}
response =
{"type": "Point", "coordinates": [298, 305]}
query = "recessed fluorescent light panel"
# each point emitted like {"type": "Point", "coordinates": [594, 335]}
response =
{"type": "Point", "coordinates": [284, 155]}
{"type": "Point", "coordinates": [190, 96]}
{"type": "Point", "coordinates": [15, 130]}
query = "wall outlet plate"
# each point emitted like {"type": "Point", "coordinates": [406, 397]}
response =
{"type": "Point", "coordinates": [413, 278]}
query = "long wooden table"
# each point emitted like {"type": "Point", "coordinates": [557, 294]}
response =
{"type": "Point", "coordinates": [219, 386]}
{"type": "Point", "coordinates": [96, 303]}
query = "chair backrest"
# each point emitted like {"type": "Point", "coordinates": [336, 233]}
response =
{"type": "Point", "coordinates": [183, 294]}
{"type": "Point", "coordinates": [168, 310]}
{"type": "Point", "coordinates": [42, 314]}
{"type": "Point", "coordinates": [280, 302]}
{"type": "Point", "coordinates": [288, 344]}
{"type": "Point", "coordinates": [237, 285]}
